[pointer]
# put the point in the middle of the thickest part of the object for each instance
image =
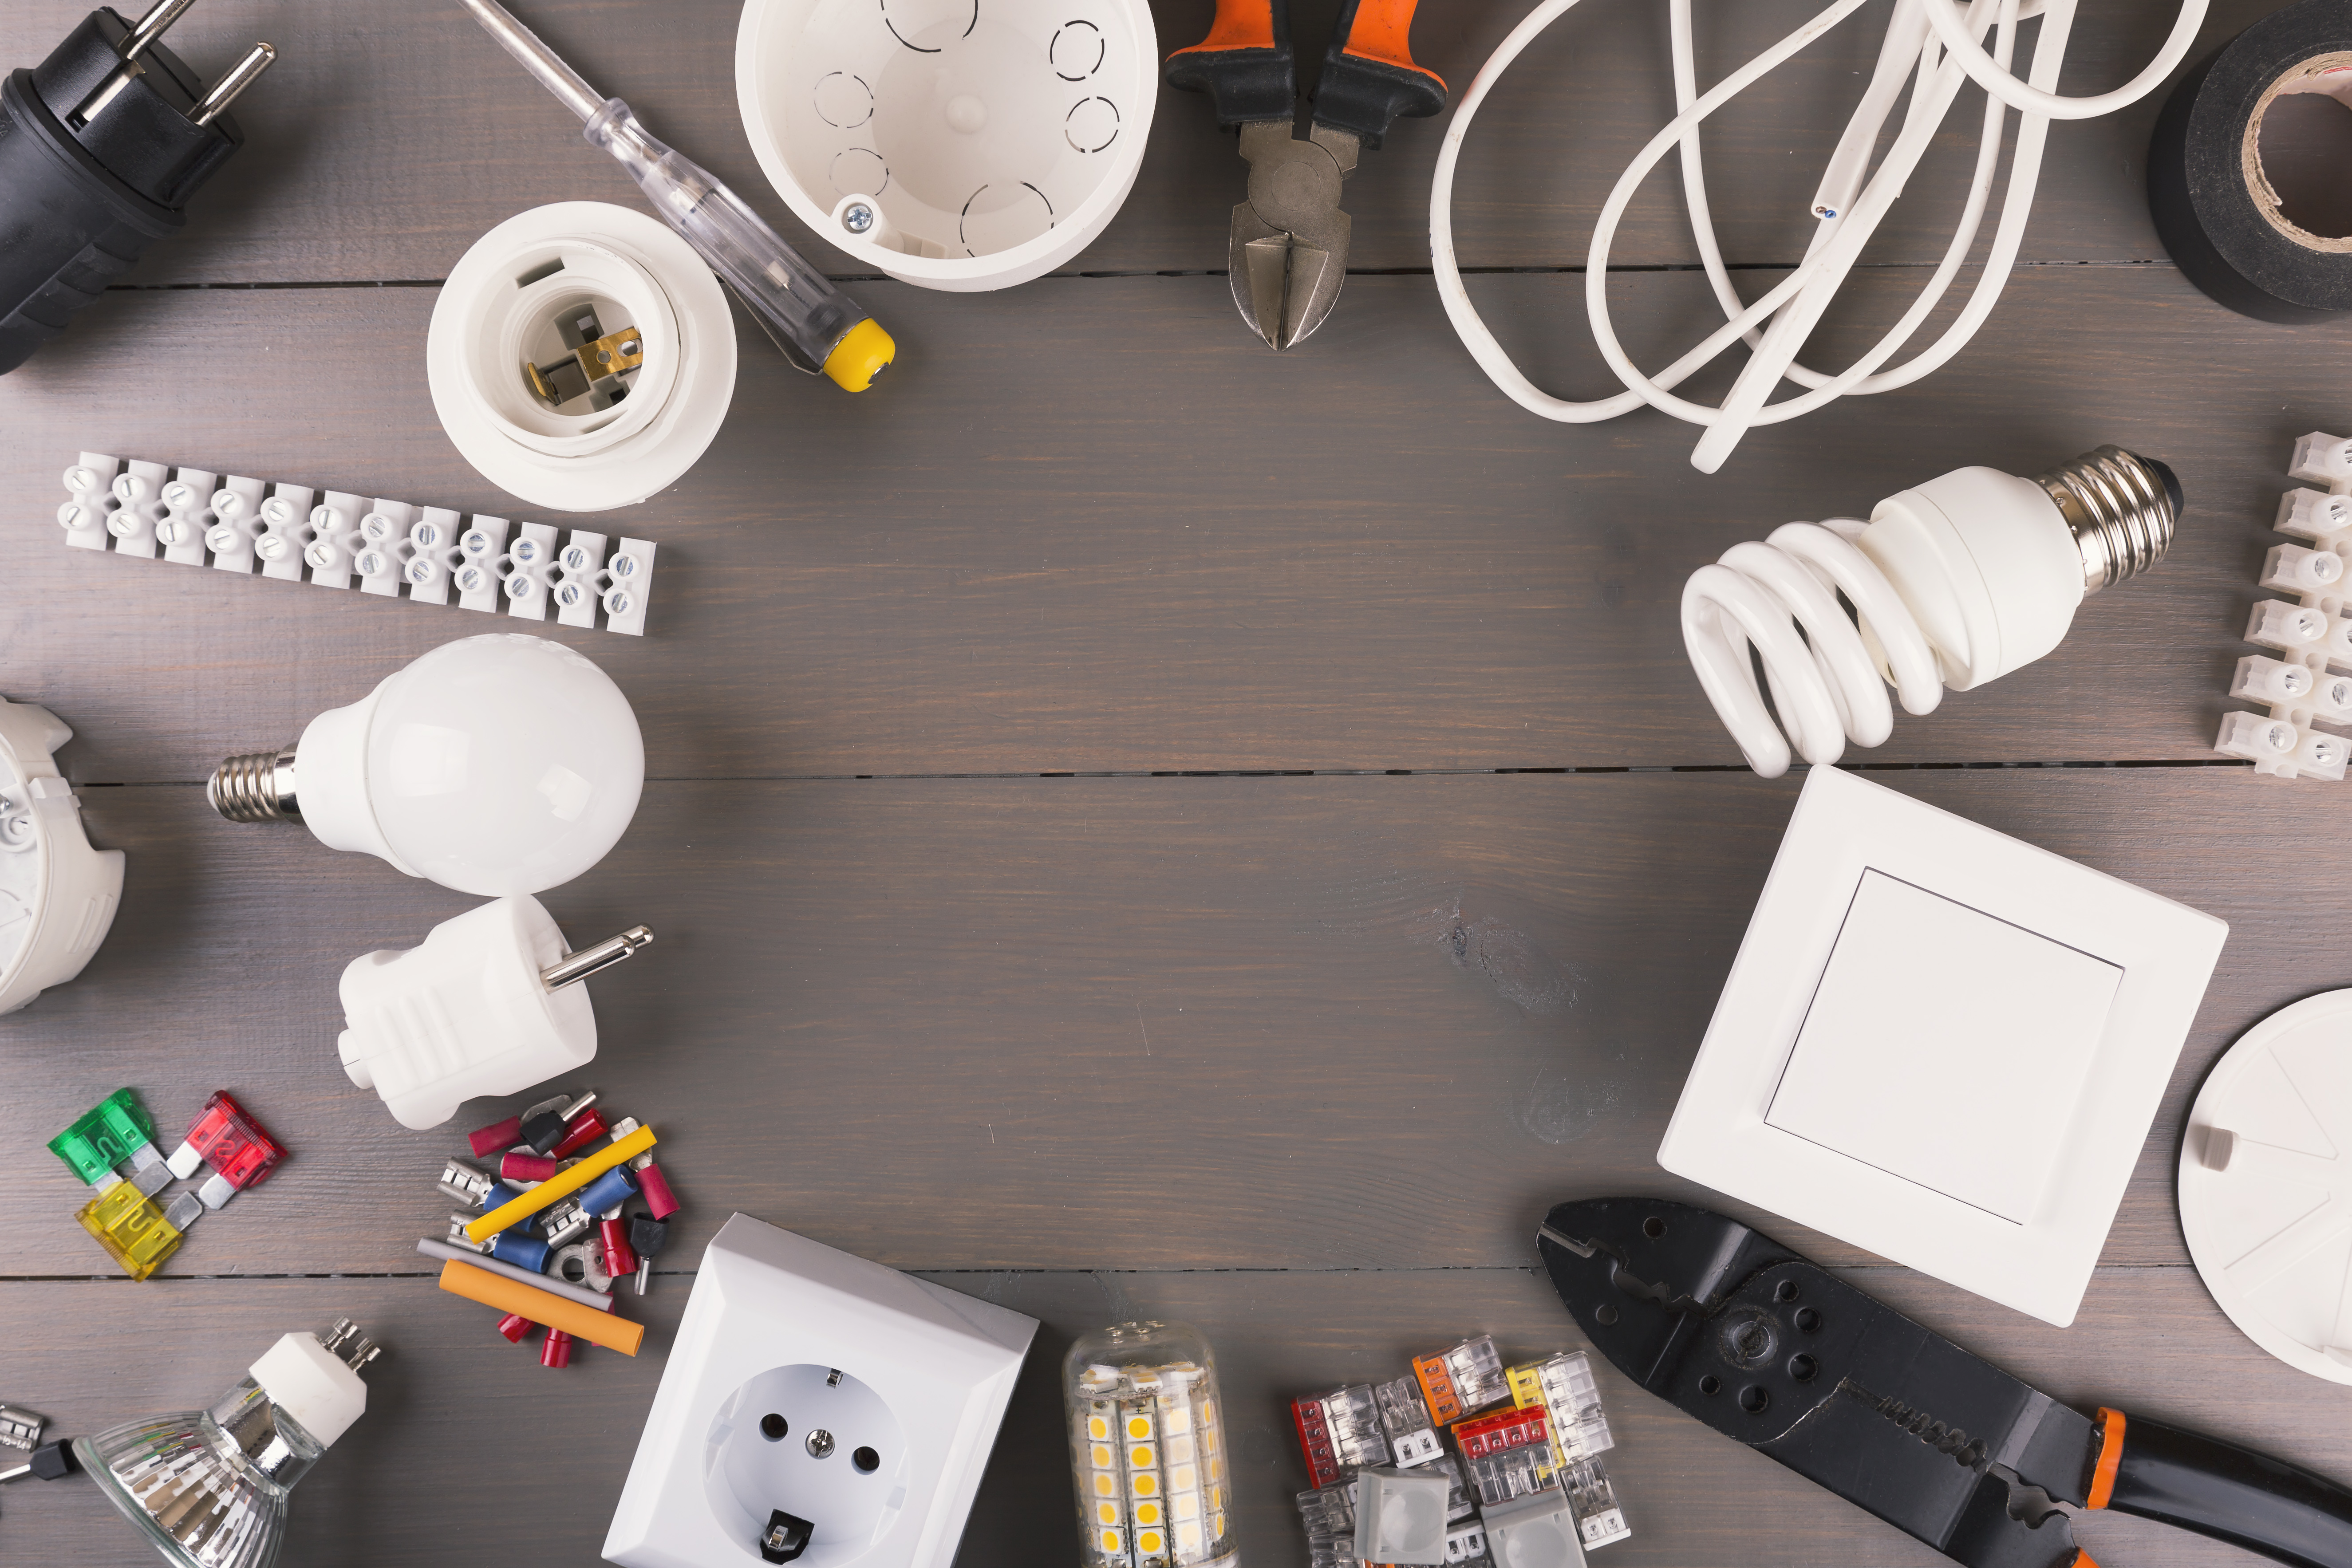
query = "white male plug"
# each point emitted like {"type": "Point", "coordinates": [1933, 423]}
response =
{"type": "Point", "coordinates": [489, 1004]}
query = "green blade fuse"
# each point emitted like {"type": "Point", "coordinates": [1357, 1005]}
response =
{"type": "Point", "coordinates": [817, 327]}
{"type": "Point", "coordinates": [115, 1132]}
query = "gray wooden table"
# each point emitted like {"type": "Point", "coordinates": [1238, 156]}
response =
{"type": "Point", "coordinates": [1137, 826]}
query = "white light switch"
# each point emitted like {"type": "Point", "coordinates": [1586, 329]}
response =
{"type": "Point", "coordinates": [1946, 1046]}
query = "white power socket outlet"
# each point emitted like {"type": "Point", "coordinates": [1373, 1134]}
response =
{"type": "Point", "coordinates": [846, 1406]}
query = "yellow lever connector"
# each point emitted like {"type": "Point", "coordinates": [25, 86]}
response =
{"type": "Point", "coordinates": [864, 352]}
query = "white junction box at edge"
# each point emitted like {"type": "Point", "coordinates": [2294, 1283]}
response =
{"type": "Point", "coordinates": [1942, 1044]}
{"type": "Point", "coordinates": [804, 1379]}
{"type": "Point", "coordinates": [949, 145]}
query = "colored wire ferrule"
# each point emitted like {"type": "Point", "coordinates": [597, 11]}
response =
{"type": "Point", "coordinates": [619, 1260]}
{"type": "Point", "coordinates": [496, 1137]}
{"type": "Point", "coordinates": [542, 1307]}
{"type": "Point", "coordinates": [546, 1130]}
{"type": "Point", "coordinates": [546, 1193]}
{"type": "Point", "coordinates": [608, 1192]}
{"type": "Point", "coordinates": [655, 1187]}
{"type": "Point", "coordinates": [580, 1132]}
{"type": "Point", "coordinates": [515, 1326]}
{"type": "Point", "coordinates": [526, 1167]}
{"type": "Point", "coordinates": [557, 1351]}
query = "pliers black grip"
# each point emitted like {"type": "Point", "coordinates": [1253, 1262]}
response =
{"type": "Point", "coordinates": [1248, 65]}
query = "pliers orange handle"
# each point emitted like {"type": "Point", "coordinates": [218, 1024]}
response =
{"type": "Point", "coordinates": [1248, 66]}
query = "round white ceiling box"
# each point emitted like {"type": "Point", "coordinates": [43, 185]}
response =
{"type": "Point", "coordinates": [533, 293]}
{"type": "Point", "coordinates": [2266, 1185]}
{"type": "Point", "coordinates": [959, 144]}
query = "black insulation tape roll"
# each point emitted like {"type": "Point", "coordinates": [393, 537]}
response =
{"type": "Point", "coordinates": [2214, 209]}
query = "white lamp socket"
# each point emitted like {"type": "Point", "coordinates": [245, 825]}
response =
{"type": "Point", "coordinates": [855, 1404]}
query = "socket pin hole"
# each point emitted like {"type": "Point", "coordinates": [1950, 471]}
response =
{"type": "Point", "coordinates": [1786, 1290]}
{"type": "Point", "coordinates": [1654, 1228]}
{"type": "Point", "coordinates": [1710, 1385]}
{"type": "Point", "coordinates": [1804, 1367]}
{"type": "Point", "coordinates": [1808, 1319]}
{"type": "Point", "coordinates": [1604, 1315]}
{"type": "Point", "coordinates": [1754, 1399]}
{"type": "Point", "coordinates": [866, 1460]}
{"type": "Point", "coordinates": [774, 1427]}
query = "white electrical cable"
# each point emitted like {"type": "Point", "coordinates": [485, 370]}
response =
{"type": "Point", "coordinates": [1933, 43]}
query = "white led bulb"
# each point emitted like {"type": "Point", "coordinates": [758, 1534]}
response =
{"type": "Point", "coordinates": [497, 765]}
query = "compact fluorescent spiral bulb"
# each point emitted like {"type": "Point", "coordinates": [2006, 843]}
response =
{"type": "Point", "coordinates": [1954, 582]}
{"type": "Point", "coordinates": [495, 765]}
{"type": "Point", "coordinates": [209, 1487]}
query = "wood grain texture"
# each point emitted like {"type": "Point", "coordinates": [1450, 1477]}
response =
{"type": "Point", "coordinates": [388, 138]}
{"type": "Point", "coordinates": [1091, 526]}
{"type": "Point", "coordinates": [460, 1424]}
{"type": "Point", "coordinates": [1081, 1023]}
{"type": "Point", "coordinates": [1299, 1059]}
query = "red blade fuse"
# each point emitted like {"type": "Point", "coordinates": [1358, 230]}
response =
{"type": "Point", "coordinates": [238, 1148]}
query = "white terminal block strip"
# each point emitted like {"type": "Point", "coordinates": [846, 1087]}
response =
{"type": "Point", "coordinates": [428, 554]}
{"type": "Point", "coordinates": [2311, 633]}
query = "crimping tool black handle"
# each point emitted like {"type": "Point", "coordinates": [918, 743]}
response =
{"type": "Point", "coordinates": [1247, 64]}
{"type": "Point", "coordinates": [2218, 1489]}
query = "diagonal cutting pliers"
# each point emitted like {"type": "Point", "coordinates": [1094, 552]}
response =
{"type": "Point", "coordinates": [1289, 250]}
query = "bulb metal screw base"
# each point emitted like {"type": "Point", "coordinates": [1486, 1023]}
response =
{"type": "Point", "coordinates": [256, 787]}
{"type": "Point", "coordinates": [2122, 509]}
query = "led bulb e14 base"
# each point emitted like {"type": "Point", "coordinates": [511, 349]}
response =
{"type": "Point", "coordinates": [496, 765]}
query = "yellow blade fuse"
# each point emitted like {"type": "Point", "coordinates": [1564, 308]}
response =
{"type": "Point", "coordinates": [817, 327]}
{"type": "Point", "coordinates": [562, 1183]}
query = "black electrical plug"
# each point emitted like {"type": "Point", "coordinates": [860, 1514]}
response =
{"type": "Point", "coordinates": [100, 147]}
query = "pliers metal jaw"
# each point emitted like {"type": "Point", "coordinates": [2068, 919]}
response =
{"type": "Point", "coordinates": [1288, 252]}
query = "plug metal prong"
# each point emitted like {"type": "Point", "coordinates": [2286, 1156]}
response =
{"type": "Point", "coordinates": [153, 25]}
{"type": "Point", "coordinates": [241, 76]}
{"type": "Point", "coordinates": [149, 28]}
{"type": "Point", "coordinates": [578, 967]}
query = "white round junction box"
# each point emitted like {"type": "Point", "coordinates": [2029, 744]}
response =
{"type": "Point", "coordinates": [958, 144]}
{"type": "Point", "coordinates": [2266, 1185]}
{"type": "Point", "coordinates": [523, 387]}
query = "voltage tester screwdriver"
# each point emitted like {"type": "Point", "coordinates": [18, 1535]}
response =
{"type": "Point", "coordinates": [817, 327]}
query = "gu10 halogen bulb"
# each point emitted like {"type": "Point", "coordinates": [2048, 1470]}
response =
{"type": "Point", "coordinates": [1959, 580]}
{"type": "Point", "coordinates": [499, 765]}
{"type": "Point", "coordinates": [209, 1487]}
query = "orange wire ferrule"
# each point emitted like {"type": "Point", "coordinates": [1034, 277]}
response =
{"type": "Point", "coordinates": [542, 1307]}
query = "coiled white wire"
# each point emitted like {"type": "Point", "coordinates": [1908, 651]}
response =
{"type": "Point", "coordinates": [1934, 45]}
{"type": "Point", "coordinates": [1826, 685]}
